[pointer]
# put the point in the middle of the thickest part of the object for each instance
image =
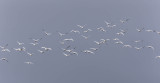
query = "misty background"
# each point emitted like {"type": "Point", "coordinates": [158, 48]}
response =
{"type": "Point", "coordinates": [21, 20]}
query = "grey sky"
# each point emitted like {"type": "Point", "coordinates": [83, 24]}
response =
{"type": "Point", "coordinates": [21, 20]}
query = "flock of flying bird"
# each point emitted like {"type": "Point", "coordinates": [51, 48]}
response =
{"type": "Point", "coordinates": [81, 31]}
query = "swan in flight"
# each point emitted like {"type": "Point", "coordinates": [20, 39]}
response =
{"type": "Point", "coordinates": [139, 30]}
{"type": "Point", "coordinates": [129, 46]}
{"type": "Point", "coordinates": [69, 50]}
{"type": "Point", "coordinates": [61, 34]}
{"type": "Point", "coordinates": [88, 51]}
{"type": "Point", "coordinates": [74, 53]}
{"type": "Point", "coordinates": [36, 40]}
{"type": "Point", "coordinates": [150, 47]}
{"type": "Point", "coordinates": [75, 31]}
{"type": "Point", "coordinates": [123, 21]}
{"type": "Point", "coordinates": [30, 54]}
{"type": "Point", "coordinates": [104, 40]}
{"type": "Point", "coordinates": [19, 43]}
{"type": "Point", "coordinates": [87, 30]}
{"type": "Point", "coordinates": [5, 50]}
{"type": "Point", "coordinates": [115, 39]}
{"type": "Point", "coordinates": [107, 23]}
{"type": "Point", "coordinates": [98, 43]}
{"type": "Point", "coordinates": [40, 51]}
{"type": "Point", "coordinates": [28, 63]}
{"type": "Point", "coordinates": [85, 37]}
{"type": "Point", "coordinates": [137, 41]}
{"type": "Point", "coordinates": [4, 59]}
{"type": "Point", "coordinates": [138, 48]}
{"type": "Point", "coordinates": [120, 33]}
{"type": "Point", "coordinates": [110, 25]}
{"type": "Point", "coordinates": [34, 44]}
{"type": "Point", "coordinates": [20, 49]}
{"type": "Point", "coordinates": [94, 49]}
{"type": "Point", "coordinates": [119, 42]}
{"type": "Point", "coordinates": [80, 26]}
{"type": "Point", "coordinates": [65, 54]}
{"type": "Point", "coordinates": [123, 31]}
{"type": "Point", "coordinates": [150, 30]}
{"type": "Point", "coordinates": [46, 49]}
{"type": "Point", "coordinates": [101, 29]}
{"type": "Point", "coordinates": [68, 39]}
{"type": "Point", "coordinates": [47, 33]}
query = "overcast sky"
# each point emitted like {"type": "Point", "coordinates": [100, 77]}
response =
{"type": "Point", "coordinates": [21, 20]}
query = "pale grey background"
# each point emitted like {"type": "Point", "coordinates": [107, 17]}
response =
{"type": "Point", "coordinates": [23, 19]}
